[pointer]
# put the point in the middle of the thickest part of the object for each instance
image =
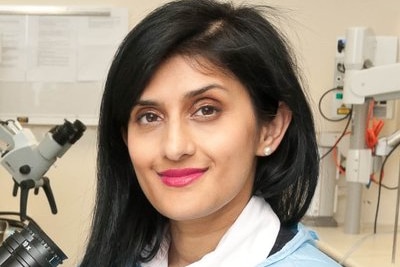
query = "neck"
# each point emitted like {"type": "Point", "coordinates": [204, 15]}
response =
{"type": "Point", "coordinates": [191, 240]}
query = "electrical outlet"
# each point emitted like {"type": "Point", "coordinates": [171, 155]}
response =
{"type": "Point", "coordinates": [339, 110]}
{"type": "Point", "coordinates": [338, 74]}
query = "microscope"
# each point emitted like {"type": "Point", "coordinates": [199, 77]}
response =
{"type": "Point", "coordinates": [27, 161]}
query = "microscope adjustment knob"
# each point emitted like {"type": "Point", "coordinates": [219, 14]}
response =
{"type": "Point", "coordinates": [25, 169]}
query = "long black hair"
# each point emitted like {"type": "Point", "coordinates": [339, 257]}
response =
{"type": "Point", "coordinates": [241, 40]}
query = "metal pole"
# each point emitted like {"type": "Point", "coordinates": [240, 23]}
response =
{"type": "Point", "coordinates": [354, 189]}
{"type": "Point", "coordinates": [396, 222]}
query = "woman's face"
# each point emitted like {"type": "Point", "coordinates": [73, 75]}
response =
{"type": "Point", "coordinates": [193, 140]}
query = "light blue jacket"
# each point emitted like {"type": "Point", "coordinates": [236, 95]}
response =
{"type": "Point", "coordinates": [300, 251]}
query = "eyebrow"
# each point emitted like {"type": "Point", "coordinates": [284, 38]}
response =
{"type": "Point", "coordinates": [202, 90]}
{"type": "Point", "coordinates": [187, 95]}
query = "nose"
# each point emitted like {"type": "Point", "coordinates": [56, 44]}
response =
{"type": "Point", "coordinates": [178, 143]}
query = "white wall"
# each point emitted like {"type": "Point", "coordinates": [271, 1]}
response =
{"type": "Point", "coordinates": [313, 27]}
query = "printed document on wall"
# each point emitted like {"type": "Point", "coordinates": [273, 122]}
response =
{"type": "Point", "coordinates": [47, 48]}
{"type": "Point", "coordinates": [12, 48]}
{"type": "Point", "coordinates": [98, 40]}
{"type": "Point", "coordinates": [52, 49]}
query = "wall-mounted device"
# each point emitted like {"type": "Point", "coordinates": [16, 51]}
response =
{"type": "Point", "coordinates": [371, 73]}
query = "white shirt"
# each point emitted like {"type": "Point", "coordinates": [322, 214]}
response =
{"type": "Point", "coordinates": [246, 243]}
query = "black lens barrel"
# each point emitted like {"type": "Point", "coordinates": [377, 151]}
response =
{"type": "Point", "coordinates": [30, 248]}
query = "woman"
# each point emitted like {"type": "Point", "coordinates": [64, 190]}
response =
{"type": "Point", "coordinates": [207, 152]}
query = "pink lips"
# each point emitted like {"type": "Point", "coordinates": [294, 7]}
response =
{"type": "Point", "coordinates": [181, 177]}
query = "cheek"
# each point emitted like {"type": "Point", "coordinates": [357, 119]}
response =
{"type": "Point", "coordinates": [235, 140]}
{"type": "Point", "coordinates": [140, 151]}
{"type": "Point", "coordinates": [140, 145]}
{"type": "Point", "coordinates": [234, 154]}
{"type": "Point", "coordinates": [142, 155]}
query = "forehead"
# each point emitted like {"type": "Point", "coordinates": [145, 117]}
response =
{"type": "Point", "coordinates": [183, 73]}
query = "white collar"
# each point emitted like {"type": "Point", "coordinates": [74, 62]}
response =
{"type": "Point", "coordinates": [247, 242]}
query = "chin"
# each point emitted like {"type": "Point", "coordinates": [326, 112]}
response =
{"type": "Point", "coordinates": [187, 213]}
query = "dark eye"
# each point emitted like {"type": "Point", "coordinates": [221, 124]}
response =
{"type": "Point", "coordinates": [206, 112]}
{"type": "Point", "coordinates": [148, 118]}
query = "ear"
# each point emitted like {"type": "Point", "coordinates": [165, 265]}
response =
{"type": "Point", "coordinates": [272, 132]}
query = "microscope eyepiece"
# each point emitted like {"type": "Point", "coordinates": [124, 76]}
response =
{"type": "Point", "coordinates": [62, 133]}
{"type": "Point", "coordinates": [68, 132]}
{"type": "Point", "coordinates": [79, 129]}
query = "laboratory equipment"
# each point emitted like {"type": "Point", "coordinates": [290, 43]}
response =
{"type": "Point", "coordinates": [28, 161]}
{"type": "Point", "coordinates": [370, 73]}
{"type": "Point", "coordinates": [30, 247]}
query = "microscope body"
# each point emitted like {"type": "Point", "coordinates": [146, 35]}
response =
{"type": "Point", "coordinates": [28, 160]}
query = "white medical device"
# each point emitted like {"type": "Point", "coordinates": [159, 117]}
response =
{"type": "Point", "coordinates": [28, 161]}
{"type": "Point", "coordinates": [371, 73]}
